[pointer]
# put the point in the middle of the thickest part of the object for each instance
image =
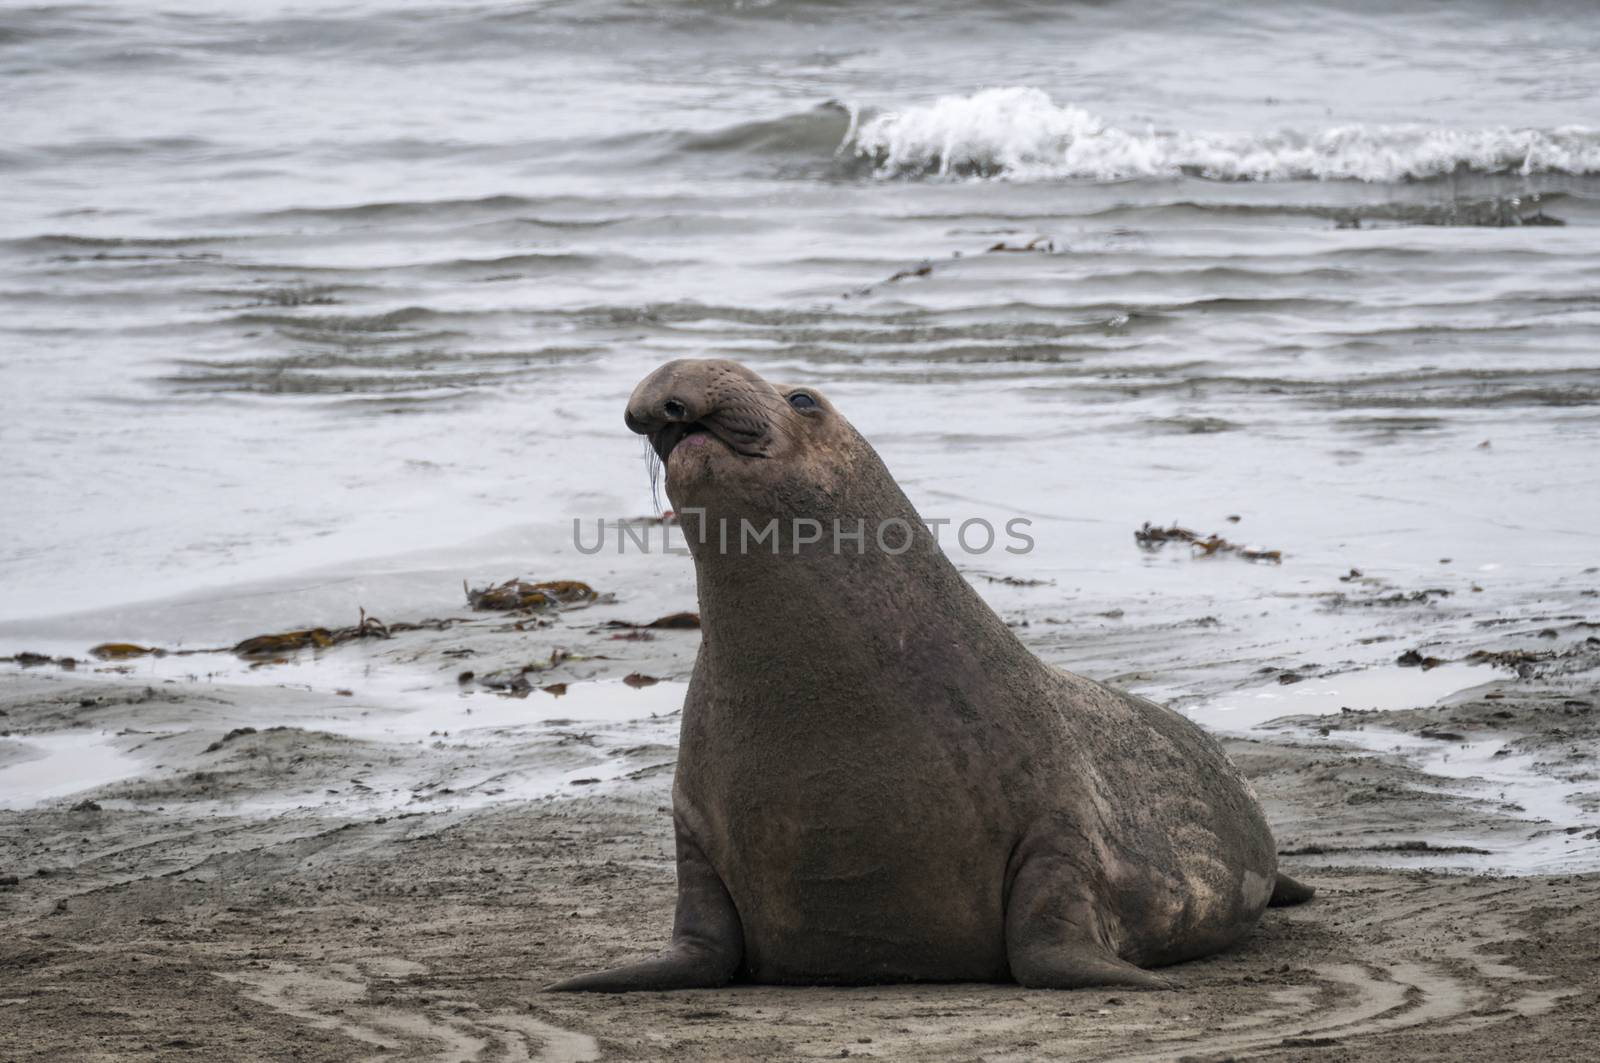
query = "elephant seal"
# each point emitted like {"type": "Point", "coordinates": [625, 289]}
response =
{"type": "Point", "coordinates": [877, 782]}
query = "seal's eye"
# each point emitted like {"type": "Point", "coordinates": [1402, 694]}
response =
{"type": "Point", "coordinates": [801, 401]}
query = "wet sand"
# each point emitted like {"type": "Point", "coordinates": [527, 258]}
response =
{"type": "Point", "coordinates": [358, 855]}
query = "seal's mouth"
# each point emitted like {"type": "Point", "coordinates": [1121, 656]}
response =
{"type": "Point", "coordinates": [664, 439]}
{"type": "Point", "coordinates": [747, 442]}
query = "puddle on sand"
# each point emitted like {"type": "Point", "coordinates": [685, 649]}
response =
{"type": "Point", "coordinates": [593, 701]}
{"type": "Point", "coordinates": [59, 765]}
{"type": "Point", "coordinates": [393, 700]}
{"type": "Point", "coordinates": [1556, 839]}
{"type": "Point", "coordinates": [1467, 769]}
{"type": "Point", "coordinates": [612, 715]}
{"type": "Point", "coordinates": [39, 769]}
{"type": "Point", "coordinates": [609, 732]}
{"type": "Point", "coordinates": [1384, 687]}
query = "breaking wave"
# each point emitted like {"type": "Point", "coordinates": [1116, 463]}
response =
{"type": "Point", "coordinates": [816, 132]}
{"type": "Point", "coordinates": [1021, 134]}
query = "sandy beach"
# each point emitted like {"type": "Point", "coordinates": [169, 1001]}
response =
{"type": "Point", "coordinates": [365, 852]}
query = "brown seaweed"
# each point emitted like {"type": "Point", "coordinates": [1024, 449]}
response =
{"type": "Point", "coordinates": [122, 651]}
{"type": "Point", "coordinates": [516, 683]}
{"type": "Point", "coordinates": [672, 621]}
{"type": "Point", "coordinates": [262, 649]}
{"type": "Point", "coordinates": [287, 642]}
{"type": "Point", "coordinates": [321, 638]}
{"type": "Point", "coordinates": [1040, 245]}
{"type": "Point", "coordinates": [516, 595]}
{"type": "Point", "coordinates": [1014, 581]}
{"type": "Point", "coordinates": [1150, 537]}
{"type": "Point", "coordinates": [28, 659]}
{"type": "Point", "coordinates": [920, 271]}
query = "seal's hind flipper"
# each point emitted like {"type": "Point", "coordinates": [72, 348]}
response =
{"type": "Point", "coordinates": [1051, 933]}
{"type": "Point", "coordinates": [1069, 968]}
{"type": "Point", "coordinates": [1287, 891]}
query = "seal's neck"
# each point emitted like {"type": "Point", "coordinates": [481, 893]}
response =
{"type": "Point", "coordinates": [841, 606]}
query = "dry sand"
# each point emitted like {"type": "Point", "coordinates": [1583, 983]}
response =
{"type": "Point", "coordinates": [311, 892]}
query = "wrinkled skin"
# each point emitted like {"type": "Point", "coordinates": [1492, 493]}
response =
{"type": "Point", "coordinates": [877, 782]}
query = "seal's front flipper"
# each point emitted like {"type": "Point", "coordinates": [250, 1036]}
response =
{"type": "Point", "coordinates": [1286, 891]}
{"type": "Point", "coordinates": [707, 939]}
{"type": "Point", "coordinates": [681, 966]}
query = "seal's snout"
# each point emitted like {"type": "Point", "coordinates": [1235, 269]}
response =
{"type": "Point", "coordinates": [687, 398]}
{"type": "Point", "coordinates": [656, 410]}
{"type": "Point", "coordinates": [667, 396]}
{"type": "Point", "coordinates": [650, 417]}
{"type": "Point", "coordinates": [666, 422]}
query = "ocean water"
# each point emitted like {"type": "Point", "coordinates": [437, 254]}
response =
{"type": "Point", "coordinates": [288, 288]}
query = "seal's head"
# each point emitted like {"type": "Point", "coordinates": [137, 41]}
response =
{"type": "Point", "coordinates": [734, 443]}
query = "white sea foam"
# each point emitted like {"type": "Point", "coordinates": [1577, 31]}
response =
{"type": "Point", "coordinates": [1021, 134]}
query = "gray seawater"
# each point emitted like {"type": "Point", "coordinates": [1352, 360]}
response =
{"type": "Point", "coordinates": [288, 287]}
